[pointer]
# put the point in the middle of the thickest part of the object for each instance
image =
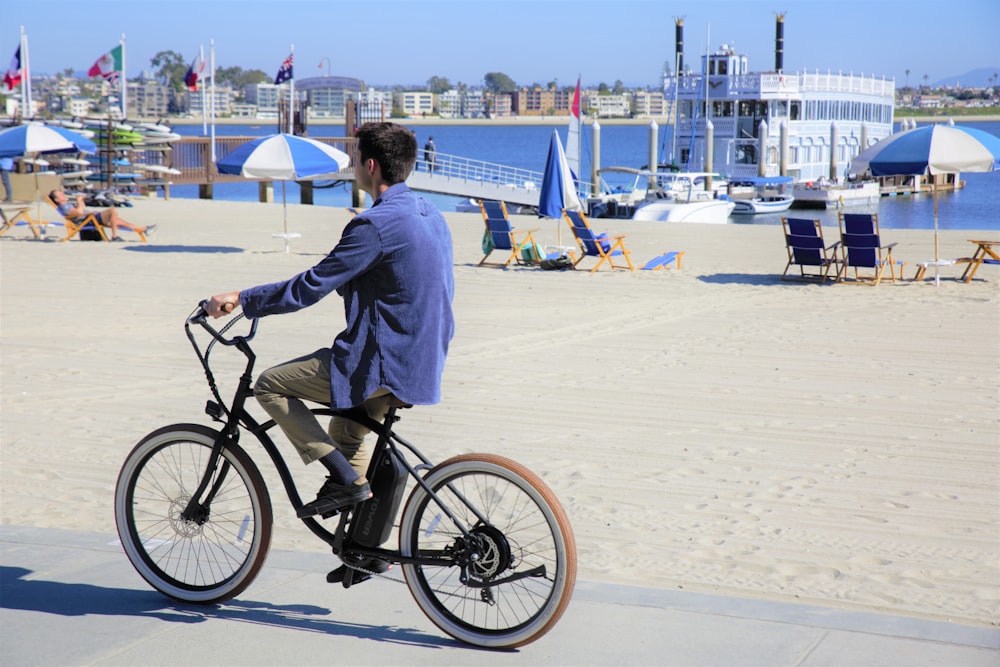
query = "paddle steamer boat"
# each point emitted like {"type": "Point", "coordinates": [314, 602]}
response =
{"type": "Point", "coordinates": [775, 123]}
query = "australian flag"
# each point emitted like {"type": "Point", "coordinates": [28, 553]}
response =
{"type": "Point", "coordinates": [285, 71]}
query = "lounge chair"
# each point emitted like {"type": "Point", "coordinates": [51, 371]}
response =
{"type": "Point", "coordinates": [21, 218]}
{"type": "Point", "coordinates": [500, 235]}
{"type": "Point", "coordinates": [89, 228]}
{"type": "Point", "coordinates": [596, 245]}
{"type": "Point", "coordinates": [663, 261]}
{"type": "Point", "coordinates": [861, 248]}
{"type": "Point", "coordinates": [807, 250]}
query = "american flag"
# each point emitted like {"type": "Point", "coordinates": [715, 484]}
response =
{"type": "Point", "coordinates": [285, 71]}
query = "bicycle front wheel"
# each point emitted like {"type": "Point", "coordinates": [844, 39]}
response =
{"type": "Point", "coordinates": [208, 559]}
{"type": "Point", "coordinates": [514, 571]}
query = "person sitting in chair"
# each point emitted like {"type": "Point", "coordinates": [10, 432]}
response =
{"type": "Point", "coordinates": [107, 218]}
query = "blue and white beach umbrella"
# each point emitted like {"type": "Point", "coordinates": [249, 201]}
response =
{"type": "Point", "coordinates": [284, 157]}
{"type": "Point", "coordinates": [931, 150]}
{"type": "Point", "coordinates": [558, 189]}
{"type": "Point", "coordinates": [35, 138]}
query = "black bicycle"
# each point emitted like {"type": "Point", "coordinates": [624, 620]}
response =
{"type": "Point", "coordinates": [484, 545]}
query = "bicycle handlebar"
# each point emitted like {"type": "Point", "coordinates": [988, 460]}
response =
{"type": "Point", "coordinates": [199, 316]}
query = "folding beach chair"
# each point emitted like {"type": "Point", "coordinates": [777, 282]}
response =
{"type": "Point", "coordinates": [87, 228]}
{"type": "Point", "coordinates": [861, 248]}
{"type": "Point", "coordinates": [807, 250]}
{"type": "Point", "coordinates": [596, 245]}
{"type": "Point", "coordinates": [663, 261]}
{"type": "Point", "coordinates": [22, 217]}
{"type": "Point", "coordinates": [500, 235]}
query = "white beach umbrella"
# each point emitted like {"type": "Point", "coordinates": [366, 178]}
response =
{"type": "Point", "coordinates": [284, 157]}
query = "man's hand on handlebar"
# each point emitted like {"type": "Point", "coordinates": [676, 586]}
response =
{"type": "Point", "coordinates": [222, 304]}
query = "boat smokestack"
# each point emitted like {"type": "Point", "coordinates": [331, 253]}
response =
{"type": "Point", "coordinates": [679, 40]}
{"type": "Point", "coordinates": [779, 42]}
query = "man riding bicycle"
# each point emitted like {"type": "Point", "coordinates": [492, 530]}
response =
{"type": "Point", "coordinates": [393, 269]}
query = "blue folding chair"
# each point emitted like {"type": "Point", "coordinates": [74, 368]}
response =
{"type": "Point", "coordinates": [861, 248]}
{"type": "Point", "coordinates": [807, 250]}
{"type": "Point", "coordinates": [500, 235]}
{"type": "Point", "coordinates": [602, 246]}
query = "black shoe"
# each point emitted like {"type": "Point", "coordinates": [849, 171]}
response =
{"type": "Point", "coordinates": [376, 565]}
{"type": "Point", "coordinates": [333, 496]}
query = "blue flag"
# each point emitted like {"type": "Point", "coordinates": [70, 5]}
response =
{"type": "Point", "coordinates": [285, 71]}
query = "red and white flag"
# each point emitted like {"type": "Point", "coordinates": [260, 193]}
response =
{"type": "Point", "coordinates": [194, 73]}
{"type": "Point", "coordinates": [573, 135]}
{"type": "Point", "coordinates": [13, 75]}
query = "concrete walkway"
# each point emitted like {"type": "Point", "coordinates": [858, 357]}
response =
{"type": "Point", "coordinates": [72, 598]}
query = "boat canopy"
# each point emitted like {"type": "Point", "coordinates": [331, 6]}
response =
{"type": "Point", "coordinates": [762, 180]}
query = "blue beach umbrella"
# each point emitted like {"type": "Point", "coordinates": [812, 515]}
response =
{"type": "Point", "coordinates": [33, 139]}
{"type": "Point", "coordinates": [558, 189]}
{"type": "Point", "coordinates": [931, 150]}
{"type": "Point", "coordinates": [284, 157]}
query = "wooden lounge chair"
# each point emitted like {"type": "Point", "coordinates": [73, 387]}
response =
{"type": "Point", "coordinates": [89, 228]}
{"type": "Point", "coordinates": [22, 217]}
{"type": "Point", "coordinates": [807, 250]}
{"type": "Point", "coordinates": [500, 235]}
{"type": "Point", "coordinates": [597, 245]}
{"type": "Point", "coordinates": [862, 249]}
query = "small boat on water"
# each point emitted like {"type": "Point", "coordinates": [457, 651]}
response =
{"type": "Point", "coordinates": [827, 194]}
{"type": "Point", "coordinates": [673, 209]}
{"type": "Point", "coordinates": [666, 195]}
{"type": "Point", "coordinates": [766, 195]}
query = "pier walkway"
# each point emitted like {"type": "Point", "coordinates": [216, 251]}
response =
{"type": "Point", "coordinates": [451, 174]}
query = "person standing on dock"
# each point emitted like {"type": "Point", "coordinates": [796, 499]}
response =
{"type": "Point", "coordinates": [429, 153]}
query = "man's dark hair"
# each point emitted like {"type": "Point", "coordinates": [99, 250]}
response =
{"type": "Point", "coordinates": [393, 146]}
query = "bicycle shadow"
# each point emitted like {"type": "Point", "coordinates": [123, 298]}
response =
{"type": "Point", "coordinates": [71, 599]}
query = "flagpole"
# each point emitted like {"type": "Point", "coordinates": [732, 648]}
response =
{"type": "Point", "coordinates": [25, 79]}
{"type": "Point", "coordinates": [124, 83]}
{"type": "Point", "coordinates": [204, 111]}
{"type": "Point", "coordinates": [291, 94]}
{"type": "Point", "coordinates": [211, 97]}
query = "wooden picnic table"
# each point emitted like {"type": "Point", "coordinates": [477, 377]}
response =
{"type": "Point", "coordinates": [984, 253]}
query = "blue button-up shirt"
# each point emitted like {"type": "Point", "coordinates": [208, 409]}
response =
{"type": "Point", "coordinates": [393, 267]}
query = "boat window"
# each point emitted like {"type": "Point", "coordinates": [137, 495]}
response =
{"type": "Point", "coordinates": [794, 110]}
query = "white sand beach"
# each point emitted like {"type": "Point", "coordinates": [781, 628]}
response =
{"type": "Point", "coordinates": [710, 429]}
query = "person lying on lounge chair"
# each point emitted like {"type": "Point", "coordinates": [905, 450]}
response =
{"type": "Point", "coordinates": [108, 217]}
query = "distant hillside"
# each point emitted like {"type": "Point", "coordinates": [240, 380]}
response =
{"type": "Point", "coordinates": [977, 78]}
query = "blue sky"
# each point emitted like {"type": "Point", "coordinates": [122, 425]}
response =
{"type": "Point", "coordinates": [531, 41]}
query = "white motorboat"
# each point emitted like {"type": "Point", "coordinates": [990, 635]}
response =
{"type": "Point", "coordinates": [767, 195]}
{"type": "Point", "coordinates": [665, 186]}
{"type": "Point", "coordinates": [711, 211]}
{"type": "Point", "coordinates": [765, 204]}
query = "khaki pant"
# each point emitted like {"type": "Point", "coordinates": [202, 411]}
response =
{"type": "Point", "coordinates": [279, 390]}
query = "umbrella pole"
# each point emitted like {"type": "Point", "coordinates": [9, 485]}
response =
{"type": "Point", "coordinates": [937, 253]}
{"type": "Point", "coordinates": [284, 207]}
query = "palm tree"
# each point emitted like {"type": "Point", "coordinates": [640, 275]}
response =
{"type": "Point", "coordinates": [907, 72]}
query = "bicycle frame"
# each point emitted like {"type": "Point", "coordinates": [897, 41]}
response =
{"type": "Point", "coordinates": [235, 417]}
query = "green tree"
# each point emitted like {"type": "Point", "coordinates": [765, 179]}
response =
{"type": "Point", "coordinates": [438, 84]}
{"type": "Point", "coordinates": [170, 69]}
{"type": "Point", "coordinates": [619, 87]}
{"type": "Point", "coordinates": [498, 82]}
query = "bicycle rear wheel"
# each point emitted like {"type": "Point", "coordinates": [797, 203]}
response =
{"type": "Point", "coordinates": [201, 561]}
{"type": "Point", "coordinates": [526, 532]}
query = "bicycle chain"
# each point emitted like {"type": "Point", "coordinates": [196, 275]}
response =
{"type": "Point", "coordinates": [385, 575]}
